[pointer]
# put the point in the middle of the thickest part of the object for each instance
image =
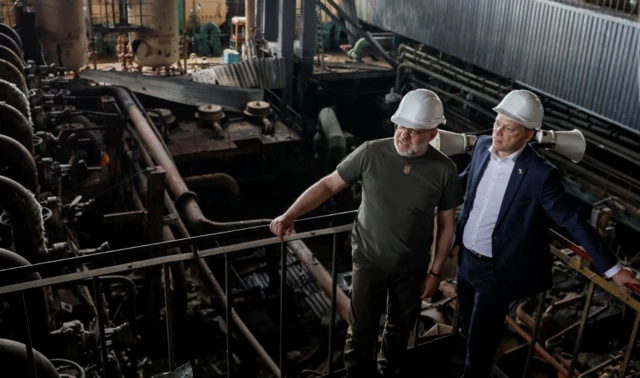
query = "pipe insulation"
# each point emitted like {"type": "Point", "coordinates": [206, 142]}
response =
{"type": "Point", "coordinates": [16, 126]}
{"type": "Point", "coordinates": [12, 74]}
{"type": "Point", "coordinates": [14, 359]}
{"type": "Point", "coordinates": [12, 95]}
{"type": "Point", "coordinates": [18, 164]}
{"type": "Point", "coordinates": [36, 299]}
{"type": "Point", "coordinates": [25, 215]}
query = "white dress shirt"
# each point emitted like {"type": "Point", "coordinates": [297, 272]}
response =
{"type": "Point", "coordinates": [477, 234]}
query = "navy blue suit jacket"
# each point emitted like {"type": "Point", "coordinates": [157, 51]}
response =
{"type": "Point", "coordinates": [535, 197]}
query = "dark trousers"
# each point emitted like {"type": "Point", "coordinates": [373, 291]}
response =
{"type": "Point", "coordinates": [482, 310]}
{"type": "Point", "coordinates": [370, 289]}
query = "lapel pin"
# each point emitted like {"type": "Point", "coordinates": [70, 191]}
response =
{"type": "Point", "coordinates": [520, 171]}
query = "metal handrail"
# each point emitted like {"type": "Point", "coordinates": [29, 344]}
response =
{"type": "Point", "coordinates": [576, 261]}
{"type": "Point", "coordinates": [151, 247]}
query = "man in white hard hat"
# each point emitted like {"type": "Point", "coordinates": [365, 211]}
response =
{"type": "Point", "coordinates": [512, 196]}
{"type": "Point", "coordinates": [403, 182]}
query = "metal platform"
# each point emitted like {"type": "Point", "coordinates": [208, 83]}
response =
{"type": "Point", "coordinates": [191, 142]}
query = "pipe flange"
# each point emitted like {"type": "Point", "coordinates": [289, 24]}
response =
{"type": "Point", "coordinates": [184, 198]}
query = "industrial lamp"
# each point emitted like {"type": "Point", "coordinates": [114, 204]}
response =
{"type": "Point", "coordinates": [570, 144]}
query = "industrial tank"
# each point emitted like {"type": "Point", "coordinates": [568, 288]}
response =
{"type": "Point", "coordinates": [159, 44]}
{"type": "Point", "coordinates": [62, 32]}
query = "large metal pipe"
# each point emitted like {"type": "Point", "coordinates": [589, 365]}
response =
{"type": "Point", "coordinates": [12, 95]}
{"type": "Point", "coordinates": [306, 258]}
{"type": "Point", "coordinates": [336, 142]}
{"type": "Point", "coordinates": [186, 202]}
{"type": "Point", "coordinates": [25, 214]}
{"type": "Point", "coordinates": [16, 126]}
{"type": "Point", "coordinates": [440, 64]}
{"type": "Point", "coordinates": [441, 78]}
{"type": "Point", "coordinates": [539, 349]}
{"type": "Point", "coordinates": [15, 358]}
{"type": "Point", "coordinates": [37, 307]}
{"type": "Point", "coordinates": [21, 166]}
{"type": "Point", "coordinates": [12, 74]}
{"type": "Point", "coordinates": [213, 180]}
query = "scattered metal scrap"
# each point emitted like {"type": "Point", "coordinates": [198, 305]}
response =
{"type": "Point", "coordinates": [180, 91]}
{"type": "Point", "coordinates": [267, 73]}
{"type": "Point", "coordinates": [297, 278]}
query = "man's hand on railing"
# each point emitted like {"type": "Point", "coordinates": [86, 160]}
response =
{"type": "Point", "coordinates": [626, 280]}
{"type": "Point", "coordinates": [281, 226]}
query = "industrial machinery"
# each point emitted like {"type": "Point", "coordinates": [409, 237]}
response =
{"type": "Point", "coordinates": [94, 178]}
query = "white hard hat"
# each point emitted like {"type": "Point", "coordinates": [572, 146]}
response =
{"type": "Point", "coordinates": [419, 109]}
{"type": "Point", "coordinates": [523, 107]}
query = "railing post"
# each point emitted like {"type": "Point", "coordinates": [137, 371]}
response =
{"type": "Point", "coordinates": [536, 330]}
{"type": "Point", "coordinates": [283, 279]}
{"type": "Point", "coordinates": [168, 305]}
{"type": "Point", "coordinates": [583, 322]}
{"type": "Point", "coordinates": [97, 293]}
{"type": "Point", "coordinates": [31, 362]}
{"type": "Point", "coordinates": [632, 338]}
{"type": "Point", "coordinates": [227, 294]}
{"type": "Point", "coordinates": [334, 279]}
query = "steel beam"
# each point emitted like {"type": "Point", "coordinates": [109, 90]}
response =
{"type": "Point", "coordinates": [286, 29]}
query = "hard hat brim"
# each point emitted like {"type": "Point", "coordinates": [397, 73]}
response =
{"type": "Point", "coordinates": [529, 125]}
{"type": "Point", "coordinates": [404, 122]}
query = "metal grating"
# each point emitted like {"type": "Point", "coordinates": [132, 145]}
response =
{"type": "Point", "coordinates": [583, 57]}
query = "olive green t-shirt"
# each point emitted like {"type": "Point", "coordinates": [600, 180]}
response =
{"type": "Point", "coordinates": [393, 230]}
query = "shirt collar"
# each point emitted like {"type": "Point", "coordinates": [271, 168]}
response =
{"type": "Point", "coordinates": [511, 157]}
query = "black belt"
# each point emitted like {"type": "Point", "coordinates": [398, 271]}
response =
{"type": "Point", "coordinates": [478, 256]}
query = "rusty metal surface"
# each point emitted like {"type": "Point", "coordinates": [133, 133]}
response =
{"type": "Point", "coordinates": [267, 73]}
{"type": "Point", "coordinates": [192, 142]}
{"type": "Point", "coordinates": [180, 91]}
{"type": "Point", "coordinates": [586, 58]}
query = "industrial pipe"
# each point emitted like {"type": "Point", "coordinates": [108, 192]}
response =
{"type": "Point", "coordinates": [336, 142]}
{"type": "Point", "coordinates": [25, 214]}
{"type": "Point", "coordinates": [11, 57]}
{"type": "Point", "coordinates": [186, 201]}
{"type": "Point", "coordinates": [12, 95]}
{"type": "Point", "coordinates": [11, 33]}
{"type": "Point", "coordinates": [21, 166]}
{"type": "Point", "coordinates": [441, 78]}
{"type": "Point", "coordinates": [10, 73]}
{"type": "Point", "coordinates": [213, 180]}
{"type": "Point", "coordinates": [306, 258]}
{"type": "Point", "coordinates": [16, 126]}
{"type": "Point", "coordinates": [539, 349]}
{"type": "Point", "coordinates": [442, 65]}
{"type": "Point", "coordinates": [177, 269]}
{"type": "Point", "coordinates": [6, 41]}
{"type": "Point", "coordinates": [36, 299]}
{"type": "Point", "coordinates": [94, 151]}
{"type": "Point", "coordinates": [15, 358]}
{"type": "Point", "coordinates": [179, 275]}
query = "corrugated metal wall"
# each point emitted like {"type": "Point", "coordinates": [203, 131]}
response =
{"type": "Point", "coordinates": [585, 58]}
